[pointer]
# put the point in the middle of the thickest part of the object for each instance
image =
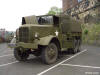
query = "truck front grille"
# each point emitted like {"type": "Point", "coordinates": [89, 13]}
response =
{"type": "Point", "coordinates": [23, 35]}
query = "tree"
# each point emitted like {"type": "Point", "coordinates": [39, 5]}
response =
{"type": "Point", "coordinates": [54, 11]}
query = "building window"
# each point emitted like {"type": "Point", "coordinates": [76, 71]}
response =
{"type": "Point", "coordinates": [79, 0]}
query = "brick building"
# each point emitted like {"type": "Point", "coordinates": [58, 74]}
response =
{"type": "Point", "coordinates": [69, 4]}
{"type": "Point", "coordinates": [82, 9]}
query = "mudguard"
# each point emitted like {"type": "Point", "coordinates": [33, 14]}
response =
{"type": "Point", "coordinates": [46, 40]}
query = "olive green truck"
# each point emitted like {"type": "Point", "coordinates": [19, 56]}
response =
{"type": "Point", "coordinates": [47, 36]}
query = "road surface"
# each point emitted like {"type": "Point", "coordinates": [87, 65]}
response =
{"type": "Point", "coordinates": [86, 62]}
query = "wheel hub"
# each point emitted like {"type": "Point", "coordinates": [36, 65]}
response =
{"type": "Point", "coordinates": [51, 53]}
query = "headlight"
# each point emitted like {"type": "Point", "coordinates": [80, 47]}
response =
{"type": "Point", "coordinates": [36, 35]}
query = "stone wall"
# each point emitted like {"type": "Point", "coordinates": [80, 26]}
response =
{"type": "Point", "coordinates": [86, 11]}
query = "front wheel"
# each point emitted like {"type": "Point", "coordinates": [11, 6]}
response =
{"type": "Point", "coordinates": [50, 53]}
{"type": "Point", "coordinates": [20, 55]}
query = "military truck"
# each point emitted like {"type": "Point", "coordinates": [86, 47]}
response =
{"type": "Point", "coordinates": [47, 36]}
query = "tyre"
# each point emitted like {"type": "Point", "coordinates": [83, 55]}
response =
{"type": "Point", "coordinates": [75, 46]}
{"type": "Point", "coordinates": [19, 55]}
{"type": "Point", "coordinates": [79, 45]}
{"type": "Point", "coordinates": [50, 53]}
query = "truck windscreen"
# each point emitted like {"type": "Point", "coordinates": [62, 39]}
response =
{"type": "Point", "coordinates": [45, 20]}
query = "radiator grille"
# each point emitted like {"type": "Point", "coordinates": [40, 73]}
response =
{"type": "Point", "coordinates": [23, 34]}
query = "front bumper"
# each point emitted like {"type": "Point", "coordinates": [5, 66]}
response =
{"type": "Point", "coordinates": [27, 45]}
{"type": "Point", "coordinates": [11, 45]}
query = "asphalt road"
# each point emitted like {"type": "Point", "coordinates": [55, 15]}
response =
{"type": "Point", "coordinates": [86, 62]}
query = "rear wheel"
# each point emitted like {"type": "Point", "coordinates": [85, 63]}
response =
{"type": "Point", "coordinates": [20, 55]}
{"type": "Point", "coordinates": [75, 46]}
{"type": "Point", "coordinates": [79, 45]}
{"type": "Point", "coordinates": [50, 53]}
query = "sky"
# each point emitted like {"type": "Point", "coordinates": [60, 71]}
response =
{"type": "Point", "coordinates": [12, 11]}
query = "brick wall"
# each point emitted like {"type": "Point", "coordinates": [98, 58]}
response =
{"type": "Point", "coordinates": [65, 5]}
{"type": "Point", "coordinates": [69, 4]}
